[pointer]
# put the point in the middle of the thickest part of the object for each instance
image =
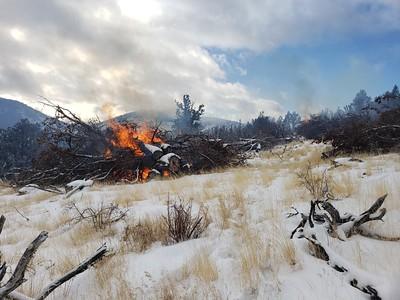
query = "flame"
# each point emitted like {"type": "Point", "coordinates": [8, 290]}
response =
{"type": "Point", "coordinates": [145, 174]}
{"type": "Point", "coordinates": [166, 173]}
{"type": "Point", "coordinates": [107, 153]}
{"type": "Point", "coordinates": [125, 138]}
{"type": "Point", "coordinates": [128, 137]}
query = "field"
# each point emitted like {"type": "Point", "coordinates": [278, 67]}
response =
{"type": "Point", "coordinates": [244, 253]}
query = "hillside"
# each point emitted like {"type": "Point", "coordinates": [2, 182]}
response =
{"type": "Point", "coordinates": [11, 111]}
{"type": "Point", "coordinates": [168, 120]}
{"type": "Point", "coordinates": [244, 253]}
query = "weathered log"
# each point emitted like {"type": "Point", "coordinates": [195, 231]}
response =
{"type": "Point", "coordinates": [7, 291]}
{"type": "Point", "coordinates": [350, 224]}
{"type": "Point", "coordinates": [17, 278]}
{"type": "Point", "coordinates": [99, 254]}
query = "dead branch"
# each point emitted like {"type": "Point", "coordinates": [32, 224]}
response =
{"type": "Point", "coordinates": [100, 217]}
{"type": "Point", "coordinates": [368, 215]}
{"type": "Point", "coordinates": [331, 220]}
{"type": "Point", "coordinates": [320, 251]}
{"type": "Point", "coordinates": [7, 290]}
{"type": "Point", "coordinates": [83, 266]}
{"type": "Point", "coordinates": [26, 218]}
{"type": "Point", "coordinates": [17, 277]}
{"type": "Point", "coordinates": [2, 221]}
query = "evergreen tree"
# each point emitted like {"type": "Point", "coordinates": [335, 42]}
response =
{"type": "Point", "coordinates": [187, 116]}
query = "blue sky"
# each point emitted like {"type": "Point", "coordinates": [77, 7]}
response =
{"type": "Point", "coordinates": [327, 73]}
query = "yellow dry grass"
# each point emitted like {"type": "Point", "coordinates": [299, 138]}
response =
{"type": "Point", "coordinates": [344, 185]}
{"type": "Point", "coordinates": [64, 262]}
{"type": "Point", "coordinates": [242, 177]}
{"type": "Point", "coordinates": [288, 252]}
{"type": "Point", "coordinates": [52, 223]}
{"type": "Point", "coordinates": [254, 256]}
{"type": "Point", "coordinates": [203, 267]}
{"type": "Point", "coordinates": [84, 232]}
{"type": "Point", "coordinates": [139, 237]}
{"type": "Point", "coordinates": [111, 280]}
{"type": "Point", "coordinates": [224, 209]}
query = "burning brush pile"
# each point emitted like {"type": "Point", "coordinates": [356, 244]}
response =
{"type": "Point", "coordinates": [72, 149]}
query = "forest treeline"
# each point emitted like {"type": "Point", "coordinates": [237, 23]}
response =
{"type": "Point", "coordinates": [365, 124]}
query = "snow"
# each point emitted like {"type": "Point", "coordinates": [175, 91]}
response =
{"type": "Point", "coordinates": [29, 188]}
{"type": "Point", "coordinates": [152, 148]}
{"type": "Point", "coordinates": [77, 185]}
{"type": "Point", "coordinates": [165, 146]}
{"type": "Point", "coordinates": [165, 158]}
{"type": "Point", "coordinates": [258, 198]}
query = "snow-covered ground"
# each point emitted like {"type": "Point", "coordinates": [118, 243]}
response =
{"type": "Point", "coordinates": [245, 253]}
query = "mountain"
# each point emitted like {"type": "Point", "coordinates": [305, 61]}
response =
{"type": "Point", "coordinates": [167, 120]}
{"type": "Point", "coordinates": [12, 111]}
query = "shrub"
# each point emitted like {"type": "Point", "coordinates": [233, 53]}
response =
{"type": "Point", "coordinates": [100, 217]}
{"type": "Point", "coordinates": [180, 223]}
{"type": "Point", "coordinates": [317, 183]}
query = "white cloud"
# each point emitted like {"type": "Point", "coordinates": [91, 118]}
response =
{"type": "Point", "coordinates": [145, 54]}
{"type": "Point", "coordinates": [17, 34]}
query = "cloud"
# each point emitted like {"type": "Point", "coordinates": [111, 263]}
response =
{"type": "Point", "coordinates": [145, 54]}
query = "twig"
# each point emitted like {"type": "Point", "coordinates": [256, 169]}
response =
{"type": "Point", "coordinates": [26, 218]}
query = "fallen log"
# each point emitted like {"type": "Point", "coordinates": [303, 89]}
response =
{"type": "Point", "coordinates": [83, 266]}
{"type": "Point", "coordinates": [324, 218]}
{"type": "Point", "coordinates": [7, 290]}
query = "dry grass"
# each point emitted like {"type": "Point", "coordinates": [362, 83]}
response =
{"type": "Point", "coordinates": [238, 199]}
{"type": "Point", "coordinates": [224, 209]}
{"type": "Point", "coordinates": [203, 267]}
{"type": "Point", "coordinates": [209, 194]}
{"type": "Point", "coordinates": [266, 176]}
{"type": "Point", "coordinates": [50, 224]}
{"type": "Point", "coordinates": [111, 280]}
{"type": "Point", "coordinates": [83, 233]}
{"type": "Point", "coordinates": [344, 185]}
{"type": "Point", "coordinates": [242, 178]}
{"type": "Point", "coordinates": [284, 251]}
{"type": "Point", "coordinates": [317, 182]}
{"type": "Point", "coordinates": [128, 199]}
{"type": "Point", "coordinates": [32, 287]}
{"type": "Point", "coordinates": [5, 190]}
{"type": "Point", "coordinates": [210, 184]}
{"type": "Point", "coordinates": [141, 236]}
{"type": "Point", "coordinates": [254, 257]}
{"type": "Point", "coordinates": [30, 199]}
{"type": "Point", "coordinates": [374, 189]}
{"type": "Point", "coordinates": [282, 248]}
{"type": "Point", "coordinates": [167, 290]}
{"type": "Point", "coordinates": [292, 191]}
{"type": "Point", "coordinates": [63, 263]}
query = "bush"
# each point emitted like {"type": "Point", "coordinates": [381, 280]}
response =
{"type": "Point", "coordinates": [181, 225]}
{"type": "Point", "coordinates": [101, 217]}
{"type": "Point", "coordinates": [317, 183]}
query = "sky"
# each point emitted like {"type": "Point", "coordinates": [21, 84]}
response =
{"type": "Point", "coordinates": [236, 57]}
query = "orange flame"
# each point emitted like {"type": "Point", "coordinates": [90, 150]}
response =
{"type": "Point", "coordinates": [125, 138]}
{"type": "Point", "coordinates": [107, 153]}
{"type": "Point", "coordinates": [128, 137]}
{"type": "Point", "coordinates": [166, 173]}
{"type": "Point", "coordinates": [145, 174]}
